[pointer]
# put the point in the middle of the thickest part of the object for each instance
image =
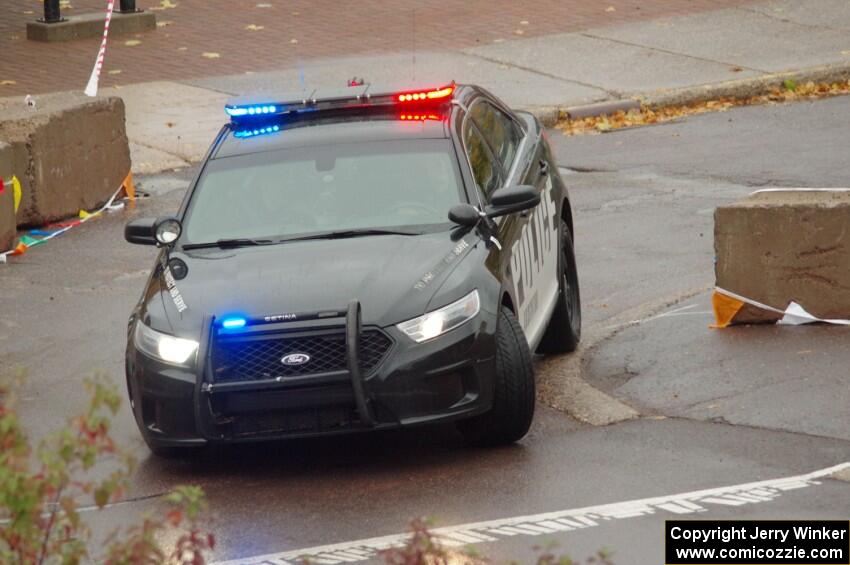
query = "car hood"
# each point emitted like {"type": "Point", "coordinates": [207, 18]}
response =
{"type": "Point", "coordinates": [393, 276]}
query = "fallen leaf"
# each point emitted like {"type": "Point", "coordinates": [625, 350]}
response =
{"type": "Point", "coordinates": [610, 9]}
{"type": "Point", "coordinates": [293, 41]}
{"type": "Point", "coordinates": [164, 23]}
{"type": "Point", "coordinates": [790, 91]}
{"type": "Point", "coordinates": [254, 27]}
{"type": "Point", "coordinates": [296, 13]}
{"type": "Point", "coordinates": [210, 55]}
{"type": "Point", "coordinates": [28, 12]}
{"type": "Point", "coordinates": [846, 52]}
{"type": "Point", "coordinates": [736, 69]}
{"type": "Point", "coordinates": [115, 72]}
{"type": "Point", "coordinates": [498, 40]}
{"type": "Point", "coordinates": [164, 5]}
{"type": "Point", "coordinates": [170, 124]}
{"type": "Point", "coordinates": [264, 5]}
{"type": "Point", "coordinates": [7, 82]}
{"type": "Point", "coordinates": [132, 42]}
{"type": "Point", "coordinates": [523, 23]}
{"type": "Point", "coordinates": [519, 32]}
{"type": "Point", "coordinates": [182, 48]}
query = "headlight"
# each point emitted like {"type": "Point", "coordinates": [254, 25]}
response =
{"type": "Point", "coordinates": [162, 346]}
{"type": "Point", "coordinates": [440, 321]}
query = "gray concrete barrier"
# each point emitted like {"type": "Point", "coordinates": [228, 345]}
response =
{"type": "Point", "coordinates": [7, 199]}
{"type": "Point", "coordinates": [70, 153]}
{"type": "Point", "coordinates": [786, 245]}
{"type": "Point", "coordinates": [91, 25]}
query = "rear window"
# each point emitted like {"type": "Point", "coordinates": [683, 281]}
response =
{"type": "Point", "coordinates": [401, 183]}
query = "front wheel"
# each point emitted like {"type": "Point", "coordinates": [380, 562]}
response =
{"type": "Point", "coordinates": [513, 395]}
{"type": "Point", "coordinates": [564, 330]}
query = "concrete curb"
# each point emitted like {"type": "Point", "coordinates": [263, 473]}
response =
{"type": "Point", "coordinates": [560, 381]}
{"type": "Point", "coordinates": [741, 88]}
{"type": "Point", "coordinates": [744, 88]}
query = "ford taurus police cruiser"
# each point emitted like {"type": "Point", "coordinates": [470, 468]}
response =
{"type": "Point", "coordinates": [356, 260]}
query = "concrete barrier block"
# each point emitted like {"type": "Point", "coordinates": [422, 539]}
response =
{"type": "Point", "coordinates": [787, 245]}
{"type": "Point", "coordinates": [7, 200]}
{"type": "Point", "coordinates": [70, 153]}
{"type": "Point", "coordinates": [91, 25]}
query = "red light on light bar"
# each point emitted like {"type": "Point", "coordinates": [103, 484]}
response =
{"type": "Point", "coordinates": [444, 92]}
{"type": "Point", "coordinates": [419, 117]}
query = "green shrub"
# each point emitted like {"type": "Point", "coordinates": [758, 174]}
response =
{"type": "Point", "coordinates": [41, 490]}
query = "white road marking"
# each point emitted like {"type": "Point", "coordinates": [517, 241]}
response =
{"type": "Point", "coordinates": [540, 524]}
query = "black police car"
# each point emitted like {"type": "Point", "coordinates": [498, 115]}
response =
{"type": "Point", "coordinates": [356, 260]}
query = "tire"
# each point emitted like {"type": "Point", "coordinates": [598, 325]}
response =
{"type": "Point", "coordinates": [564, 330]}
{"type": "Point", "coordinates": [513, 395]}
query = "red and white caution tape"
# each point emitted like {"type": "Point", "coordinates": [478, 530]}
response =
{"type": "Point", "coordinates": [61, 227]}
{"type": "Point", "coordinates": [91, 87]}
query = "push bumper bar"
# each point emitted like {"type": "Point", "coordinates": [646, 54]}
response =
{"type": "Point", "coordinates": [206, 386]}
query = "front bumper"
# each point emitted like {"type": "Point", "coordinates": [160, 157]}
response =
{"type": "Point", "coordinates": [448, 378]}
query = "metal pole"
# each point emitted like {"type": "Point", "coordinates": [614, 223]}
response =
{"type": "Point", "coordinates": [128, 6]}
{"type": "Point", "coordinates": [51, 12]}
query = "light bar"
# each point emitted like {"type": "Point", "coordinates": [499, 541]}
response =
{"type": "Point", "coordinates": [243, 110]}
{"type": "Point", "coordinates": [422, 96]}
{"type": "Point", "coordinates": [419, 117]}
{"type": "Point", "coordinates": [259, 110]}
{"type": "Point", "coordinates": [243, 133]}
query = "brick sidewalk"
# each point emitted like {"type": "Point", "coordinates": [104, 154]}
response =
{"type": "Point", "coordinates": [199, 38]}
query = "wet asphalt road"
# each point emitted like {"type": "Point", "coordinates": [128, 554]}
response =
{"type": "Point", "coordinates": [719, 408]}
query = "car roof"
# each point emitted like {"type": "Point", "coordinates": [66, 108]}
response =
{"type": "Point", "coordinates": [334, 128]}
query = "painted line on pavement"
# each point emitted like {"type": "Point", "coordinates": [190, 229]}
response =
{"type": "Point", "coordinates": [552, 522]}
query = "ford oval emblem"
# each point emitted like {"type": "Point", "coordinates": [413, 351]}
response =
{"type": "Point", "coordinates": [295, 359]}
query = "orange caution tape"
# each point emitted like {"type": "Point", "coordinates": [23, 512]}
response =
{"type": "Point", "coordinates": [725, 309]}
{"type": "Point", "coordinates": [129, 187]}
{"type": "Point", "coordinates": [20, 249]}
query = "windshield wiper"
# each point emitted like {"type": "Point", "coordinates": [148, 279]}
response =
{"type": "Point", "coordinates": [342, 234]}
{"type": "Point", "coordinates": [228, 243]}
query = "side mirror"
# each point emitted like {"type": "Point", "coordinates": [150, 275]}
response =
{"type": "Point", "coordinates": [140, 231]}
{"type": "Point", "coordinates": [465, 215]}
{"type": "Point", "coordinates": [153, 231]}
{"type": "Point", "coordinates": [510, 199]}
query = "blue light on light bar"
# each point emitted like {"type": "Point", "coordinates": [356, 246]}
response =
{"type": "Point", "coordinates": [256, 131]}
{"type": "Point", "coordinates": [262, 110]}
{"type": "Point", "coordinates": [233, 323]}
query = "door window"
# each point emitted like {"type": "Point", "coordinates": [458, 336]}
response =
{"type": "Point", "coordinates": [487, 171]}
{"type": "Point", "coordinates": [500, 131]}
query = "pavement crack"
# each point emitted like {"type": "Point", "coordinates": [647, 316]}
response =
{"type": "Point", "coordinates": [720, 421]}
{"type": "Point", "coordinates": [786, 20]}
{"type": "Point", "coordinates": [612, 93]}
{"type": "Point", "coordinates": [671, 52]}
{"type": "Point", "coordinates": [126, 501]}
{"type": "Point", "coordinates": [186, 160]}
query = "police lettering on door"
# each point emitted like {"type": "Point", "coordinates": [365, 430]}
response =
{"type": "Point", "coordinates": [534, 260]}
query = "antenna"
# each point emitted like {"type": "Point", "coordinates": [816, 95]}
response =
{"type": "Point", "coordinates": [414, 45]}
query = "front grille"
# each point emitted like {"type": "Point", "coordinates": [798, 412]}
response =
{"type": "Point", "coordinates": [248, 358]}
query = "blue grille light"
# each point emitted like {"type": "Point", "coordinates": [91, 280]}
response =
{"type": "Point", "coordinates": [233, 323]}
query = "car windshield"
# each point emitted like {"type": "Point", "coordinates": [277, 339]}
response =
{"type": "Point", "coordinates": [408, 184]}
